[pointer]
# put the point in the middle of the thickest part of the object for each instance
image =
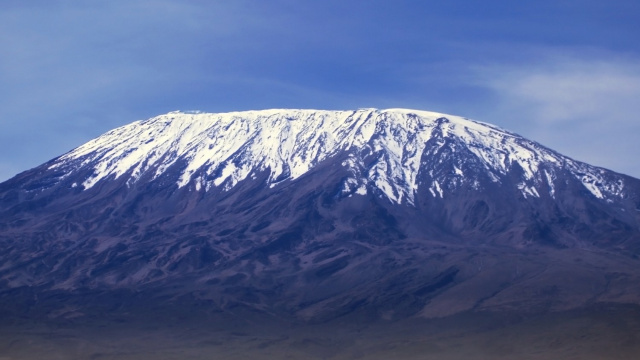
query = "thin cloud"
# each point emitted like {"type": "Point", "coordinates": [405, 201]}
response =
{"type": "Point", "coordinates": [571, 90]}
{"type": "Point", "coordinates": [586, 108]}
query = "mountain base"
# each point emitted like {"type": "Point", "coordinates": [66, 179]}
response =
{"type": "Point", "coordinates": [602, 331]}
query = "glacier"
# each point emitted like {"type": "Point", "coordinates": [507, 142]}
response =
{"type": "Point", "coordinates": [220, 150]}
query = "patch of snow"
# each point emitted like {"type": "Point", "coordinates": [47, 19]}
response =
{"type": "Point", "coordinates": [437, 188]}
{"type": "Point", "coordinates": [589, 181]}
{"type": "Point", "coordinates": [528, 190]}
{"type": "Point", "coordinates": [550, 182]}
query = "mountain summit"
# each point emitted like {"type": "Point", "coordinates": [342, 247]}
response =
{"type": "Point", "coordinates": [314, 215]}
{"type": "Point", "coordinates": [203, 151]}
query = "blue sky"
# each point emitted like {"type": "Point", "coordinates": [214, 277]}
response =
{"type": "Point", "coordinates": [563, 73]}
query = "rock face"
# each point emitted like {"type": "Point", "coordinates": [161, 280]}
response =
{"type": "Point", "coordinates": [314, 215]}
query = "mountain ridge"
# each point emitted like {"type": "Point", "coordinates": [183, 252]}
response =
{"type": "Point", "coordinates": [288, 142]}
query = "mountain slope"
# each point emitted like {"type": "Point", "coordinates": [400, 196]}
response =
{"type": "Point", "coordinates": [318, 214]}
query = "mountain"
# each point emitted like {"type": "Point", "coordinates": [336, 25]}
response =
{"type": "Point", "coordinates": [313, 216]}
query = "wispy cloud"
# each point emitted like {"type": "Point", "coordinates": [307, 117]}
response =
{"type": "Point", "coordinates": [570, 89]}
{"type": "Point", "coordinates": [585, 106]}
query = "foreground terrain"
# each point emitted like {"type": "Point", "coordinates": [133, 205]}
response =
{"type": "Point", "coordinates": [605, 332]}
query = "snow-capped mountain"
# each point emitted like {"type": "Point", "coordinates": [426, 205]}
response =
{"type": "Point", "coordinates": [220, 150]}
{"type": "Point", "coordinates": [315, 214]}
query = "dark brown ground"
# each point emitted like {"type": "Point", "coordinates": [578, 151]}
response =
{"type": "Point", "coordinates": [602, 332]}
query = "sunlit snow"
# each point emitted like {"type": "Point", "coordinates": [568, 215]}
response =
{"type": "Point", "coordinates": [214, 150]}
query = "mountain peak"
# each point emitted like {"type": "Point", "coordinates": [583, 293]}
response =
{"type": "Point", "coordinates": [385, 147]}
